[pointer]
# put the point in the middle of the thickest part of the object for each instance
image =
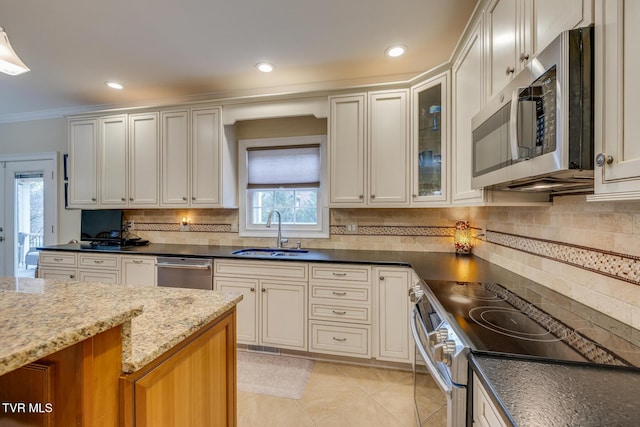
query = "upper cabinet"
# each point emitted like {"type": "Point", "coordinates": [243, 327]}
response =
{"type": "Point", "coordinates": [515, 30]}
{"type": "Point", "coordinates": [171, 158]}
{"type": "Point", "coordinates": [430, 141]}
{"type": "Point", "coordinates": [369, 150]}
{"type": "Point", "coordinates": [617, 32]}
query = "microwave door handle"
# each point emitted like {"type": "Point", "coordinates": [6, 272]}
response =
{"type": "Point", "coordinates": [513, 125]}
{"type": "Point", "coordinates": [445, 386]}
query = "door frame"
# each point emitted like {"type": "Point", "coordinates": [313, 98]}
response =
{"type": "Point", "coordinates": [52, 237]}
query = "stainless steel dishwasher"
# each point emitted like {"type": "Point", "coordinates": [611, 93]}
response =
{"type": "Point", "coordinates": [193, 273]}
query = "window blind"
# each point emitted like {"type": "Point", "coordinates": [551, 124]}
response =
{"type": "Point", "coordinates": [283, 167]}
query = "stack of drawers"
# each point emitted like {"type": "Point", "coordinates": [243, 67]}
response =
{"type": "Point", "coordinates": [340, 309]}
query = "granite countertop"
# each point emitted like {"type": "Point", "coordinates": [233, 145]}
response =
{"type": "Point", "coordinates": [547, 394]}
{"type": "Point", "coordinates": [39, 317]}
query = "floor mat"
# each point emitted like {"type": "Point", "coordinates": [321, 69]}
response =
{"type": "Point", "coordinates": [273, 375]}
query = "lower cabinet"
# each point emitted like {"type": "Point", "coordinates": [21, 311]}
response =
{"type": "Point", "coordinates": [392, 284]}
{"type": "Point", "coordinates": [193, 384]}
{"type": "Point", "coordinates": [273, 311]}
{"type": "Point", "coordinates": [485, 414]}
{"type": "Point", "coordinates": [98, 267]}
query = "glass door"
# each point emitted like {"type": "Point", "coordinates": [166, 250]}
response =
{"type": "Point", "coordinates": [28, 217]}
{"type": "Point", "coordinates": [430, 133]}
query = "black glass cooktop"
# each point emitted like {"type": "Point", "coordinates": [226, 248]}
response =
{"type": "Point", "coordinates": [535, 321]}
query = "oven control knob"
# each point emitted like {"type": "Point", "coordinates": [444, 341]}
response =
{"type": "Point", "coordinates": [438, 336]}
{"type": "Point", "coordinates": [444, 351]}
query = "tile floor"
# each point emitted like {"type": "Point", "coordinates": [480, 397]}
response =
{"type": "Point", "coordinates": [340, 395]}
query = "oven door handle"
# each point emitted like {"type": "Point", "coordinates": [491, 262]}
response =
{"type": "Point", "coordinates": [445, 385]}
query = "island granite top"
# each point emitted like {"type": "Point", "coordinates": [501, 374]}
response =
{"type": "Point", "coordinates": [40, 317]}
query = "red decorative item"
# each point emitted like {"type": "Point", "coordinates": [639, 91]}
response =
{"type": "Point", "coordinates": [462, 238]}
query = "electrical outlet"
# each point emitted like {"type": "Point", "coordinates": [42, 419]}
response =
{"type": "Point", "coordinates": [186, 227]}
{"type": "Point", "coordinates": [129, 225]}
{"type": "Point", "coordinates": [352, 228]}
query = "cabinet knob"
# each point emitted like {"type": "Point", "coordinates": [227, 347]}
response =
{"type": "Point", "coordinates": [373, 196]}
{"type": "Point", "coordinates": [193, 198]}
{"type": "Point", "coordinates": [414, 195]}
{"type": "Point", "coordinates": [252, 289]}
{"type": "Point", "coordinates": [184, 198]}
{"type": "Point", "coordinates": [524, 57]}
{"type": "Point", "coordinates": [124, 199]}
{"type": "Point", "coordinates": [93, 199]}
{"type": "Point", "coordinates": [361, 196]}
{"type": "Point", "coordinates": [131, 199]}
{"type": "Point", "coordinates": [264, 290]}
{"type": "Point", "coordinates": [72, 276]}
{"type": "Point", "coordinates": [510, 70]}
{"type": "Point", "coordinates": [603, 158]}
{"type": "Point", "coordinates": [381, 277]}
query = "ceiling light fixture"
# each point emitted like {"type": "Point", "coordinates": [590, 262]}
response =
{"type": "Point", "coordinates": [114, 85]}
{"type": "Point", "coordinates": [9, 61]}
{"type": "Point", "coordinates": [395, 51]}
{"type": "Point", "coordinates": [265, 67]}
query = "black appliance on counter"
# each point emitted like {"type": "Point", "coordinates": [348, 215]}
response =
{"type": "Point", "coordinates": [102, 227]}
{"type": "Point", "coordinates": [451, 319]}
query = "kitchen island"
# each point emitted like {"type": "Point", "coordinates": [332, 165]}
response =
{"type": "Point", "coordinates": [76, 353]}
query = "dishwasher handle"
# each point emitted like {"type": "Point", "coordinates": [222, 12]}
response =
{"type": "Point", "coordinates": [184, 266]}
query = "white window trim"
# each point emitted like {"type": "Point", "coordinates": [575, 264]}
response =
{"type": "Point", "coordinates": [290, 232]}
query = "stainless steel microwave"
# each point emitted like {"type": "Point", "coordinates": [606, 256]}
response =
{"type": "Point", "coordinates": [537, 133]}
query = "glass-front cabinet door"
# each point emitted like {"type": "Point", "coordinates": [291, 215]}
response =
{"type": "Point", "coordinates": [430, 133]}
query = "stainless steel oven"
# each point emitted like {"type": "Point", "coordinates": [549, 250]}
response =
{"type": "Point", "coordinates": [440, 354]}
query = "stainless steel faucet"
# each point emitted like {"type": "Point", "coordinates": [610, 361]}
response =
{"type": "Point", "coordinates": [279, 240]}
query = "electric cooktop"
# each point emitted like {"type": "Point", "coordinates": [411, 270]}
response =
{"type": "Point", "coordinates": [532, 320]}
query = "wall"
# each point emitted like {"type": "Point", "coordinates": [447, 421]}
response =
{"type": "Point", "coordinates": [40, 136]}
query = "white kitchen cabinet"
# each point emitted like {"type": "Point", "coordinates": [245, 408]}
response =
{"type": "Point", "coordinates": [275, 313]}
{"type": "Point", "coordinates": [97, 276]}
{"type": "Point", "coordinates": [369, 149]}
{"type": "Point", "coordinates": [430, 141]}
{"type": "Point", "coordinates": [485, 413]}
{"type": "Point", "coordinates": [213, 178]}
{"type": "Point", "coordinates": [144, 152]}
{"type": "Point", "coordinates": [388, 154]}
{"type": "Point", "coordinates": [617, 112]}
{"type": "Point", "coordinates": [393, 341]}
{"type": "Point", "coordinates": [467, 98]}
{"type": "Point", "coordinates": [138, 270]}
{"type": "Point", "coordinates": [83, 163]}
{"type": "Point", "coordinates": [113, 159]}
{"type": "Point", "coordinates": [516, 30]}
{"type": "Point", "coordinates": [175, 155]}
{"type": "Point", "coordinates": [347, 133]}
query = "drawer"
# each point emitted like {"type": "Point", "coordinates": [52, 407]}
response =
{"type": "Point", "coordinates": [62, 259]}
{"type": "Point", "coordinates": [57, 273]}
{"type": "Point", "coordinates": [343, 272]}
{"type": "Point", "coordinates": [340, 340]}
{"type": "Point", "coordinates": [261, 269]}
{"type": "Point", "coordinates": [345, 314]}
{"type": "Point", "coordinates": [361, 294]}
{"type": "Point", "coordinates": [98, 276]}
{"type": "Point", "coordinates": [99, 261]}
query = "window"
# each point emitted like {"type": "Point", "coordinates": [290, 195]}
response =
{"type": "Point", "coordinates": [283, 174]}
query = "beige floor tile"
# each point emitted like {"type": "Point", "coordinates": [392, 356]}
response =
{"type": "Point", "coordinates": [373, 380]}
{"type": "Point", "coordinates": [398, 400]}
{"type": "Point", "coordinates": [268, 411]}
{"type": "Point", "coordinates": [438, 419]}
{"type": "Point", "coordinates": [368, 413]}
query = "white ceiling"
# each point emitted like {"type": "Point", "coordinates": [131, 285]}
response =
{"type": "Point", "coordinates": [170, 50]}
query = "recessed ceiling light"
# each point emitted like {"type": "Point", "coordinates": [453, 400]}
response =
{"type": "Point", "coordinates": [114, 85]}
{"type": "Point", "coordinates": [395, 51]}
{"type": "Point", "coordinates": [265, 67]}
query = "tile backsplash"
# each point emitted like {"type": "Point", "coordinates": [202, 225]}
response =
{"type": "Point", "coordinates": [588, 251]}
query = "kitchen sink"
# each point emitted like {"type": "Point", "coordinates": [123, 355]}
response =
{"type": "Point", "coordinates": [269, 252]}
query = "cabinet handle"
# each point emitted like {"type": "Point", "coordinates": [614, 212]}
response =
{"type": "Point", "coordinates": [98, 261]}
{"type": "Point", "coordinates": [184, 198]}
{"type": "Point", "coordinates": [381, 277]}
{"type": "Point", "coordinates": [72, 276]}
{"type": "Point", "coordinates": [338, 274]}
{"type": "Point", "coordinates": [510, 70]}
{"type": "Point", "coordinates": [340, 294]}
{"type": "Point", "coordinates": [373, 196]}
{"type": "Point", "coordinates": [252, 289]}
{"type": "Point", "coordinates": [137, 261]}
{"type": "Point", "coordinates": [264, 290]}
{"type": "Point", "coordinates": [414, 195]}
{"type": "Point", "coordinates": [361, 196]}
{"type": "Point", "coordinates": [131, 199]}
{"type": "Point", "coordinates": [338, 312]}
{"type": "Point", "coordinates": [524, 57]}
{"type": "Point", "coordinates": [58, 259]}
{"type": "Point", "coordinates": [603, 158]}
{"type": "Point", "coordinates": [124, 199]}
{"type": "Point", "coordinates": [339, 339]}
{"type": "Point", "coordinates": [193, 198]}
{"type": "Point", "coordinates": [93, 199]}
